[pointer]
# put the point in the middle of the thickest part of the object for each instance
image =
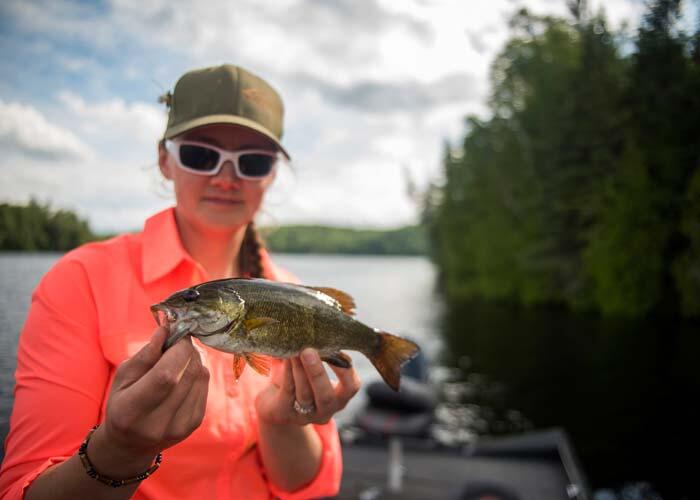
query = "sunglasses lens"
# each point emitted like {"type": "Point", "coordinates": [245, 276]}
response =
{"type": "Point", "coordinates": [198, 157]}
{"type": "Point", "coordinates": [256, 165]}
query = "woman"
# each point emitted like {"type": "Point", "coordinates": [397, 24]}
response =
{"type": "Point", "coordinates": [88, 353]}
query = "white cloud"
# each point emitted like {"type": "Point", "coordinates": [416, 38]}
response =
{"type": "Point", "coordinates": [25, 130]}
{"type": "Point", "coordinates": [127, 131]}
{"type": "Point", "coordinates": [144, 122]}
{"type": "Point", "coordinates": [350, 164]}
{"type": "Point", "coordinates": [397, 97]}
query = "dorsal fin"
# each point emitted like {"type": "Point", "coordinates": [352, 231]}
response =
{"type": "Point", "coordinates": [345, 301]}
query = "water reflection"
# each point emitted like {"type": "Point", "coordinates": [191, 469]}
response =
{"type": "Point", "coordinates": [473, 405]}
{"type": "Point", "coordinates": [622, 389]}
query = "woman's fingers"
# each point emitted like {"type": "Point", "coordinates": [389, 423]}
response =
{"type": "Point", "coordinates": [348, 383]}
{"type": "Point", "coordinates": [160, 398]}
{"type": "Point", "coordinates": [287, 386]}
{"type": "Point", "coordinates": [302, 389]}
{"type": "Point", "coordinates": [276, 402]}
{"type": "Point", "coordinates": [157, 384]}
{"type": "Point", "coordinates": [171, 404]}
{"type": "Point", "coordinates": [304, 379]}
{"type": "Point", "coordinates": [189, 412]}
{"type": "Point", "coordinates": [321, 386]}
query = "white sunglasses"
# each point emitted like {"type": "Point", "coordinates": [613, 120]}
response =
{"type": "Point", "coordinates": [204, 159]}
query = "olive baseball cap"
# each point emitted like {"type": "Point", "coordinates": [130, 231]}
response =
{"type": "Point", "coordinates": [225, 94]}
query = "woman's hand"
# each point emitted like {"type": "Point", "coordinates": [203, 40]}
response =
{"type": "Point", "coordinates": [304, 379]}
{"type": "Point", "coordinates": [156, 400]}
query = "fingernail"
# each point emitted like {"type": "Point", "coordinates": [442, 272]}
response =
{"type": "Point", "coordinates": [309, 356]}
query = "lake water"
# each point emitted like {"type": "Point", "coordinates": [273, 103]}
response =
{"type": "Point", "coordinates": [624, 391]}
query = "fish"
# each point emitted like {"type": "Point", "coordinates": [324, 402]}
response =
{"type": "Point", "coordinates": [255, 319]}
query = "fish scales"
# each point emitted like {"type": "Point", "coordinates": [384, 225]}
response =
{"type": "Point", "coordinates": [306, 321]}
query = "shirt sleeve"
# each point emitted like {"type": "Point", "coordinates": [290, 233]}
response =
{"type": "Point", "coordinates": [60, 379]}
{"type": "Point", "coordinates": [327, 480]}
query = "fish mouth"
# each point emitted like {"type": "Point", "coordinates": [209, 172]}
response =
{"type": "Point", "coordinates": [167, 318]}
{"type": "Point", "coordinates": [164, 315]}
{"type": "Point", "coordinates": [160, 314]}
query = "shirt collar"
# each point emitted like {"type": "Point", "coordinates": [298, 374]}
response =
{"type": "Point", "coordinates": [162, 250]}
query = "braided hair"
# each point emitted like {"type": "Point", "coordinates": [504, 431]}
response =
{"type": "Point", "coordinates": [249, 261]}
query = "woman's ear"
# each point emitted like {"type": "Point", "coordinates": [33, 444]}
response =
{"type": "Point", "coordinates": [163, 163]}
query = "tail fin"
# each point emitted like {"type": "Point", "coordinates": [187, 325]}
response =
{"type": "Point", "coordinates": [393, 352]}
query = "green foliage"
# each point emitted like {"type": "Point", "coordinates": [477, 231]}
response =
{"type": "Point", "coordinates": [624, 252]}
{"type": "Point", "coordinates": [575, 191]}
{"type": "Point", "coordinates": [409, 240]}
{"type": "Point", "coordinates": [36, 227]}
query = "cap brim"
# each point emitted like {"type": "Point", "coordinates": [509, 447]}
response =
{"type": "Point", "coordinates": [223, 119]}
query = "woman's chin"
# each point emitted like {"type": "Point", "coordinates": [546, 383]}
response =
{"type": "Point", "coordinates": [225, 216]}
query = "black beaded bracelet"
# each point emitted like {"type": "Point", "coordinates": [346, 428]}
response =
{"type": "Point", "coordinates": [114, 483]}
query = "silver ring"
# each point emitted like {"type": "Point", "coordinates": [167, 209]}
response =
{"type": "Point", "coordinates": [304, 410]}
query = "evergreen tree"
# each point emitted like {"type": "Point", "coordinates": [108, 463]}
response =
{"type": "Point", "coordinates": [578, 189]}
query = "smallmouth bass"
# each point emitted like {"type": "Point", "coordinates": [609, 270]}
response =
{"type": "Point", "coordinates": [250, 317]}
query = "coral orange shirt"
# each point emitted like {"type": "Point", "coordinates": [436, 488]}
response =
{"type": "Point", "coordinates": [89, 313]}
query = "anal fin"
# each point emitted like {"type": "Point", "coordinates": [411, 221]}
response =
{"type": "Point", "coordinates": [339, 359]}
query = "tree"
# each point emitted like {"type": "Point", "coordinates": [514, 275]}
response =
{"type": "Point", "coordinates": [577, 190]}
{"type": "Point", "coordinates": [36, 227]}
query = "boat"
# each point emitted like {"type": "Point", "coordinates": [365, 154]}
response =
{"type": "Point", "coordinates": [390, 452]}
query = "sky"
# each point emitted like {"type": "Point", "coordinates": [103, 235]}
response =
{"type": "Point", "coordinates": [372, 90]}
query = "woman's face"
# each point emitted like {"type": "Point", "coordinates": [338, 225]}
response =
{"type": "Point", "coordinates": [222, 202]}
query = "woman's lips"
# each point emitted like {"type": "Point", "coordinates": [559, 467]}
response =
{"type": "Point", "coordinates": [221, 201]}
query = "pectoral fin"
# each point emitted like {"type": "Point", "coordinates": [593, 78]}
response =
{"type": "Point", "coordinates": [258, 362]}
{"type": "Point", "coordinates": [238, 365]}
{"type": "Point", "coordinates": [339, 359]}
{"type": "Point", "coordinates": [253, 323]}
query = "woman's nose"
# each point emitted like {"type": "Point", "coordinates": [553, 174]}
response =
{"type": "Point", "coordinates": [227, 175]}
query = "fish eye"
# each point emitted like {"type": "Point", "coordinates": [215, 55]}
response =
{"type": "Point", "coordinates": [190, 295]}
